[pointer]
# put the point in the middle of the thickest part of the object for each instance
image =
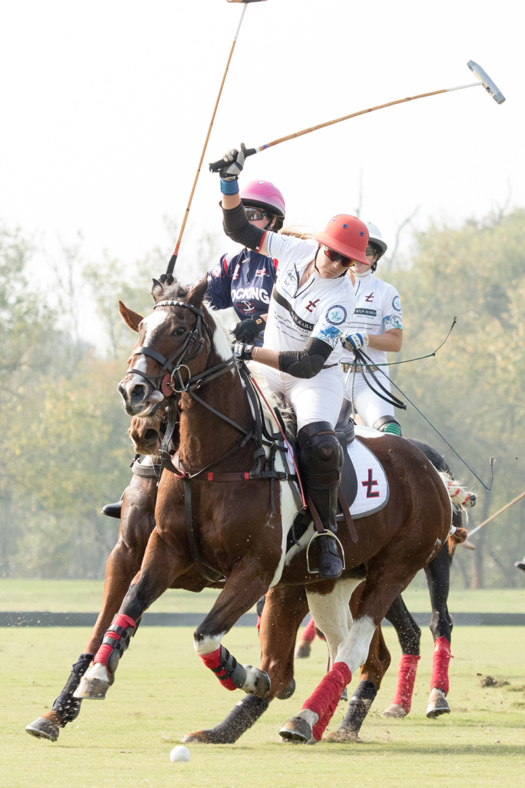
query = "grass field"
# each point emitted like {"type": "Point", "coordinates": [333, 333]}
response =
{"type": "Point", "coordinates": [162, 691]}
{"type": "Point", "coordinates": [74, 596]}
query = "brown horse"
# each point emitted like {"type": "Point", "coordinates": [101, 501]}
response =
{"type": "Point", "coordinates": [240, 534]}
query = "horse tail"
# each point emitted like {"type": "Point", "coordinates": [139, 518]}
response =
{"type": "Point", "coordinates": [461, 500]}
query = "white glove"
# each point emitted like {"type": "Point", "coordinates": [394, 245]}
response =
{"type": "Point", "coordinates": [355, 341]}
{"type": "Point", "coordinates": [235, 159]}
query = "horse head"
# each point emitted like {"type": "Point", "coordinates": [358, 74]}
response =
{"type": "Point", "coordinates": [146, 433]}
{"type": "Point", "coordinates": [174, 345]}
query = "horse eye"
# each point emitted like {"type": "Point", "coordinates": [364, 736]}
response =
{"type": "Point", "coordinates": [179, 331]}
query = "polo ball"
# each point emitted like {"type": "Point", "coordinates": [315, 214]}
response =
{"type": "Point", "coordinates": [179, 754]}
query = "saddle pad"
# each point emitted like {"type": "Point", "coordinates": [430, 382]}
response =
{"type": "Point", "coordinates": [372, 484]}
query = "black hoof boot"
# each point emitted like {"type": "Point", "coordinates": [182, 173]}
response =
{"type": "Point", "coordinates": [330, 564]}
{"type": "Point", "coordinates": [113, 510]}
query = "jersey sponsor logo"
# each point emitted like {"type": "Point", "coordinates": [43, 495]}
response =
{"type": "Point", "coordinates": [246, 307]}
{"type": "Point", "coordinates": [396, 303]}
{"type": "Point", "coordinates": [244, 293]}
{"type": "Point", "coordinates": [336, 315]}
{"type": "Point", "coordinates": [369, 297]}
{"type": "Point", "coordinates": [362, 311]}
{"type": "Point", "coordinates": [236, 272]}
{"type": "Point", "coordinates": [312, 305]}
{"type": "Point", "coordinates": [261, 272]}
{"type": "Point", "coordinates": [281, 300]}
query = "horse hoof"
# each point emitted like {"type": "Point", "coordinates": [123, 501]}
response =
{"type": "Point", "coordinates": [296, 730]}
{"type": "Point", "coordinates": [257, 682]}
{"type": "Point", "coordinates": [395, 711]}
{"type": "Point", "coordinates": [94, 684]}
{"type": "Point", "coordinates": [44, 728]}
{"type": "Point", "coordinates": [287, 692]}
{"type": "Point", "coordinates": [343, 735]}
{"type": "Point", "coordinates": [302, 650]}
{"type": "Point", "coordinates": [437, 704]}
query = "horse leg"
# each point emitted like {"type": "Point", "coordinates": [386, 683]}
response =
{"type": "Point", "coordinates": [304, 645]}
{"type": "Point", "coordinates": [409, 635]}
{"type": "Point", "coordinates": [330, 609]}
{"type": "Point", "coordinates": [162, 564]}
{"type": "Point", "coordinates": [438, 578]}
{"type": "Point", "coordinates": [246, 584]}
{"type": "Point", "coordinates": [372, 672]}
{"type": "Point", "coordinates": [311, 722]}
{"type": "Point", "coordinates": [123, 564]}
{"type": "Point", "coordinates": [283, 612]}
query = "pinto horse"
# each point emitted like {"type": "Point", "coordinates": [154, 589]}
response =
{"type": "Point", "coordinates": [229, 519]}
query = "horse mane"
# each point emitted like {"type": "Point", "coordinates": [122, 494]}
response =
{"type": "Point", "coordinates": [174, 291]}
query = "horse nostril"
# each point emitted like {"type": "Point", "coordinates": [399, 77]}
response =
{"type": "Point", "coordinates": [151, 435]}
{"type": "Point", "coordinates": [137, 393]}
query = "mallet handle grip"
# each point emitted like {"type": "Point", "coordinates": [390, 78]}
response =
{"type": "Point", "coordinates": [215, 166]}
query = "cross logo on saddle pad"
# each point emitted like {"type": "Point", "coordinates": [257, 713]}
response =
{"type": "Point", "coordinates": [369, 483]}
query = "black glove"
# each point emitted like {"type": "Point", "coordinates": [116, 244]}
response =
{"type": "Point", "coordinates": [247, 330]}
{"type": "Point", "coordinates": [243, 352]}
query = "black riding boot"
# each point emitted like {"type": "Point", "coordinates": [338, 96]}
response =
{"type": "Point", "coordinates": [330, 564]}
{"type": "Point", "coordinates": [113, 509]}
{"type": "Point", "coordinates": [321, 459]}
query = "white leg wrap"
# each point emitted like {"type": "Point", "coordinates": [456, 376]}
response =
{"type": "Point", "coordinates": [207, 645]}
{"type": "Point", "coordinates": [311, 717]}
{"type": "Point", "coordinates": [331, 613]}
{"type": "Point", "coordinates": [354, 649]}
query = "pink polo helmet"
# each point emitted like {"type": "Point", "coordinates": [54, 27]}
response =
{"type": "Point", "coordinates": [263, 194]}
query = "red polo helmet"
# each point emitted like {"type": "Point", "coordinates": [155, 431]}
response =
{"type": "Point", "coordinates": [347, 235]}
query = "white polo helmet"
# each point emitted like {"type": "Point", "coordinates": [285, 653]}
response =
{"type": "Point", "coordinates": [375, 237]}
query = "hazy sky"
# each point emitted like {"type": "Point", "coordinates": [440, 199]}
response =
{"type": "Point", "coordinates": [106, 104]}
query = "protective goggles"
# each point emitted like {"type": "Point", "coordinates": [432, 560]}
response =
{"type": "Point", "coordinates": [371, 252]}
{"type": "Point", "coordinates": [255, 214]}
{"type": "Point", "coordinates": [335, 257]}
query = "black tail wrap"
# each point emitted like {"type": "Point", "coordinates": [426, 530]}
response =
{"type": "Point", "coordinates": [66, 705]}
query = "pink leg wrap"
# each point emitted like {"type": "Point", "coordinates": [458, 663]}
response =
{"type": "Point", "coordinates": [442, 656]}
{"type": "Point", "coordinates": [406, 676]}
{"type": "Point", "coordinates": [325, 698]}
{"type": "Point", "coordinates": [105, 649]}
{"type": "Point", "coordinates": [213, 662]}
{"type": "Point", "coordinates": [309, 632]}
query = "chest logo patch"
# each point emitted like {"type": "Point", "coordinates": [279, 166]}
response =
{"type": "Point", "coordinates": [290, 278]}
{"type": "Point", "coordinates": [312, 305]}
{"type": "Point", "coordinates": [369, 297]}
{"type": "Point", "coordinates": [336, 315]}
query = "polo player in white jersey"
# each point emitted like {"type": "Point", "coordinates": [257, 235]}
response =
{"type": "Point", "coordinates": [377, 327]}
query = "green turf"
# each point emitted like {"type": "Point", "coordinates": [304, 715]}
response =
{"type": "Point", "coordinates": [162, 691]}
{"type": "Point", "coordinates": [85, 596]}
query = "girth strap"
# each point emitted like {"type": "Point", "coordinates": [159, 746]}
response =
{"type": "Point", "coordinates": [349, 520]}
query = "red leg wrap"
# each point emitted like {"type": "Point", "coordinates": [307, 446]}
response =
{"type": "Point", "coordinates": [325, 698]}
{"type": "Point", "coordinates": [309, 632]}
{"type": "Point", "coordinates": [406, 677]}
{"type": "Point", "coordinates": [213, 662]}
{"type": "Point", "coordinates": [442, 656]}
{"type": "Point", "coordinates": [258, 624]}
{"type": "Point", "coordinates": [105, 649]}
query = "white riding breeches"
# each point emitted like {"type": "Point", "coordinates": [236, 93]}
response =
{"type": "Point", "coordinates": [369, 406]}
{"type": "Point", "coordinates": [316, 399]}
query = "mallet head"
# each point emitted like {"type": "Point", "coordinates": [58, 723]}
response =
{"type": "Point", "coordinates": [488, 84]}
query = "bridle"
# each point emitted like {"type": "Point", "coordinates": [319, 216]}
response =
{"type": "Point", "coordinates": [170, 376]}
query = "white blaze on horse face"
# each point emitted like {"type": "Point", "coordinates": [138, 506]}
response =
{"type": "Point", "coordinates": [220, 343]}
{"type": "Point", "coordinates": [151, 323]}
{"type": "Point", "coordinates": [355, 647]}
{"type": "Point", "coordinates": [331, 612]}
{"type": "Point", "coordinates": [208, 644]}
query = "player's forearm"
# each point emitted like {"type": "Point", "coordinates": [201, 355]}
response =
{"type": "Point", "coordinates": [391, 341]}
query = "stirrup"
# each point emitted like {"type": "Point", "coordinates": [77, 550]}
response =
{"type": "Point", "coordinates": [314, 537]}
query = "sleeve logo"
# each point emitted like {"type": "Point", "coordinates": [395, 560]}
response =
{"type": "Point", "coordinates": [396, 303]}
{"type": "Point", "coordinates": [336, 315]}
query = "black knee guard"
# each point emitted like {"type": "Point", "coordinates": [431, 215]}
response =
{"type": "Point", "coordinates": [388, 424]}
{"type": "Point", "coordinates": [66, 705]}
{"type": "Point", "coordinates": [321, 455]}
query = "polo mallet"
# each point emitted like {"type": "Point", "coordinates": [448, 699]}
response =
{"type": "Point", "coordinates": [518, 498]}
{"type": "Point", "coordinates": [173, 259]}
{"type": "Point", "coordinates": [484, 78]}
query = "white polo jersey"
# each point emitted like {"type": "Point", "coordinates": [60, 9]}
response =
{"type": "Point", "coordinates": [321, 308]}
{"type": "Point", "coordinates": [377, 310]}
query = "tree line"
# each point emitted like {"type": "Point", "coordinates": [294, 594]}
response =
{"type": "Point", "coordinates": [65, 449]}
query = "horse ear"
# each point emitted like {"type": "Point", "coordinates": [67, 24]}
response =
{"type": "Point", "coordinates": [157, 290]}
{"type": "Point", "coordinates": [198, 292]}
{"type": "Point", "coordinates": [130, 318]}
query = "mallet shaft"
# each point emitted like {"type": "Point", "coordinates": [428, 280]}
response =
{"type": "Point", "coordinates": [496, 514]}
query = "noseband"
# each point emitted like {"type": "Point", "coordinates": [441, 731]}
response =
{"type": "Point", "coordinates": [172, 366]}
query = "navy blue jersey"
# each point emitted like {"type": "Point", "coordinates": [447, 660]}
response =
{"type": "Point", "coordinates": [243, 281]}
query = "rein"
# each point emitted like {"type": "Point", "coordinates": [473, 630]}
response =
{"type": "Point", "coordinates": [264, 468]}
